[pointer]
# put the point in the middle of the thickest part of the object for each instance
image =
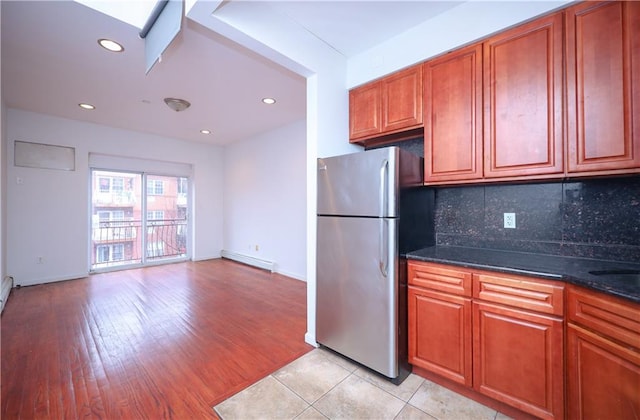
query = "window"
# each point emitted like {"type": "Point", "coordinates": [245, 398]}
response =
{"type": "Point", "coordinates": [108, 253]}
{"type": "Point", "coordinates": [117, 252]}
{"type": "Point", "coordinates": [105, 215]}
{"type": "Point", "coordinates": [155, 215]}
{"type": "Point", "coordinates": [117, 185]}
{"type": "Point", "coordinates": [155, 249]}
{"type": "Point", "coordinates": [155, 187]}
{"type": "Point", "coordinates": [104, 184]}
{"type": "Point", "coordinates": [102, 254]}
{"type": "Point", "coordinates": [183, 185]}
{"type": "Point", "coordinates": [131, 224]}
{"type": "Point", "coordinates": [109, 184]}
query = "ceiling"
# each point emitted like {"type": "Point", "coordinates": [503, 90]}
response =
{"type": "Point", "coordinates": [51, 62]}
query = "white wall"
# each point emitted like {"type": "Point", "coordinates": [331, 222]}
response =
{"type": "Point", "coordinates": [461, 25]}
{"type": "Point", "coordinates": [3, 190]}
{"type": "Point", "coordinates": [5, 282]}
{"type": "Point", "coordinates": [283, 41]}
{"type": "Point", "coordinates": [48, 211]}
{"type": "Point", "coordinates": [265, 198]}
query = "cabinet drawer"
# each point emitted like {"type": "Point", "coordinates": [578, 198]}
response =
{"type": "Point", "coordinates": [520, 292]}
{"type": "Point", "coordinates": [606, 315]}
{"type": "Point", "coordinates": [440, 278]}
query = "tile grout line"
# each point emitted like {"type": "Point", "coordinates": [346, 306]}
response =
{"type": "Point", "coordinates": [332, 388]}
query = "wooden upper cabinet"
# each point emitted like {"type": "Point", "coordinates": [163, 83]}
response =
{"type": "Point", "coordinates": [453, 116]}
{"type": "Point", "coordinates": [402, 100]}
{"type": "Point", "coordinates": [523, 100]}
{"type": "Point", "coordinates": [389, 105]}
{"type": "Point", "coordinates": [603, 86]}
{"type": "Point", "coordinates": [365, 111]}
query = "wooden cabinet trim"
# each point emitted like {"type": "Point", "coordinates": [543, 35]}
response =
{"type": "Point", "coordinates": [612, 317]}
{"type": "Point", "coordinates": [521, 292]}
{"type": "Point", "coordinates": [440, 278]}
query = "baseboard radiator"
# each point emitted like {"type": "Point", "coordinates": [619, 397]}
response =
{"type": "Point", "coordinates": [5, 289]}
{"type": "Point", "coordinates": [249, 260]}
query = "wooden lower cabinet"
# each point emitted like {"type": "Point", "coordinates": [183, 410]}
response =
{"type": "Point", "coordinates": [504, 340]}
{"type": "Point", "coordinates": [440, 333]}
{"type": "Point", "coordinates": [517, 358]}
{"type": "Point", "coordinates": [604, 377]}
{"type": "Point", "coordinates": [603, 356]}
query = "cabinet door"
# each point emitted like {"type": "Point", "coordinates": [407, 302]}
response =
{"type": "Point", "coordinates": [453, 116]}
{"type": "Point", "coordinates": [603, 377]}
{"type": "Point", "coordinates": [402, 100]}
{"type": "Point", "coordinates": [364, 111]}
{"type": "Point", "coordinates": [603, 86]}
{"type": "Point", "coordinates": [517, 359]}
{"type": "Point", "coordinates": [523, 100]}
{"type": "Point", "coordinates": [440, 334]}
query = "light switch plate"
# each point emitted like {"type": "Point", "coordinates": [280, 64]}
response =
{"type": "Point", "coordinates": [509, 220]}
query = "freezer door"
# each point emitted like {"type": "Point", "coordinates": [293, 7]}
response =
{"type": "Point", "coordinates": [359, 184]}
{"type": "Point", "coordinates": [357, 290]}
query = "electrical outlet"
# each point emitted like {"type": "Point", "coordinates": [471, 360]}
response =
{"type": "Point", "coordinates": [257, 247]}
{"type": "Point", "coordinates": [509, 220]}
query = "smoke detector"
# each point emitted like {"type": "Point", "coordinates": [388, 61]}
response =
{"type": "Point", "coordinates": [177, 104]}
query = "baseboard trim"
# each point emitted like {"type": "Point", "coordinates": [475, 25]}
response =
{"type": "Point", "coordinates": [249, 260]}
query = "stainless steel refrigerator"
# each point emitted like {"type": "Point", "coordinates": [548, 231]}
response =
{"type": "Point", "coordinates": [372, 208]}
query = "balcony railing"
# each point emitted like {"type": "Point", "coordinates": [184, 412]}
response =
{"type": "Point", "coordinates": [115, 230]}
{"type": "Point", "coordinates": [166, 238]}
{"type": "Point", "coordinates": [119, 242]}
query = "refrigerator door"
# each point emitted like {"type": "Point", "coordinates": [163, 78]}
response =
{"type": "Point", "coordinates": [359, 184]}
{"type": "Point", "coordinates": [357, 290]}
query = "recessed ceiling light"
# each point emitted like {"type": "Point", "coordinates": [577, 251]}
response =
{"type": "Point", "coordinates": [86, 106]}
{"type": "Point", "coordinates": [269, 101]}
{"type": "Point", "coordinates": [110, 45]}
{"type": "Point", "coordinates": [203, 131]}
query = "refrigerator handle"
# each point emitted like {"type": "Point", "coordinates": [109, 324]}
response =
{"type": "Point", "coordinates": [383, 241]}
{"type": "Point", "coordinates": [384, 174]}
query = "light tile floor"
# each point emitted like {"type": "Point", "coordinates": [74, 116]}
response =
{"type": "Point", "coordinates": [323, 385]}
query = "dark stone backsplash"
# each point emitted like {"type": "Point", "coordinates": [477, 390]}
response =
{"type": "Point", "coordinates": [589, 219]}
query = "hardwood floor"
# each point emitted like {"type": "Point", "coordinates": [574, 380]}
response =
{"type": "Point", "coordinates": [159, 342]}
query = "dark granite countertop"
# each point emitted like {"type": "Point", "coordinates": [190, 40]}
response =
{"type": "Point", "coordinates": [568, 269]}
